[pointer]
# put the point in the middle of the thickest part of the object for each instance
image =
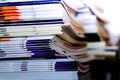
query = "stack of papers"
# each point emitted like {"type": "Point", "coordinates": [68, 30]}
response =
{"type": "Point", "coordinates": [30, 18]}
{"type": "Point", "coordinates": [26, 29]}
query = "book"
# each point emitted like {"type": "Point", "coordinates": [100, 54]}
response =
{"type": "Point", "coordinates": [5, 1]}
{"type": "Point", "coordinates": [53, 75]}
{"type": "Point", "coordinates": [7, 9]}
{"type": "Point", "coordinates": [30, 30]}
{"type": "Point", "coordinates": [25, 22]}
{"type": "Point", "coordinates": [38, 65]}
{"type": "Point", "coordinates": [27, 47]}
{"type": "Point", "coordinates": [29, 3]}
{"type": "Point", "coordinates": [28, 12]}
{"type": "Point", "coordinates": [31, 27]}
{"type": "Point", "coordinates": [24, 47]}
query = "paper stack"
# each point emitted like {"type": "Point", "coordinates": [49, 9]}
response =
{"type": "Point", "coordinates": [26, 30]}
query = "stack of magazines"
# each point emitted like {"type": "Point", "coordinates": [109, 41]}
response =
{"type": "Point", "coordinates": [83, 20]}
{"type": "Point", "coordinates": [36, 69]}
{"type": "Point", "coordinates": [45, 40]}
{"type": "Point", "coordinates": [27, 28]}
{"type": "Point", "coordinates": [30, 18]}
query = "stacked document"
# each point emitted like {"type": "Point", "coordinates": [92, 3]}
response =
{"type": "Point", "coordinates": [72, 46]}
{"type": "Point", "coordinates": [27, 28]}
{"type": "Point", "coordinates": [37, 65]}
{"type": "Point", "coordinates": [31, 12]}
{"type": "Point", "coordinates": [30, 30]}
{"type": "Point", "coordinates": [30, 18]}
{"type": "Point", "coordinates": [35, 47]}
{"type": "Point", "coordinates": [84, 23]}
{"type": "Point", "coordinates": [59, 69]}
